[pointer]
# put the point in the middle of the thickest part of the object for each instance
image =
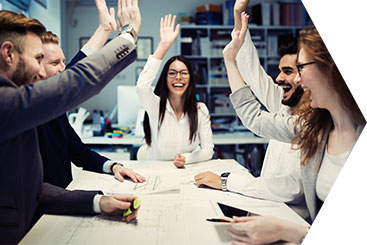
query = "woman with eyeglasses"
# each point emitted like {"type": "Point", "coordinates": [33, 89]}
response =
{"type": "Point", "coordinates": [176, 126]}
{"type": "Point", "coordinates": [324, 131]}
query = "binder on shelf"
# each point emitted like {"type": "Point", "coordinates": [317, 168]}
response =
{"type": "Point", "coordinates": [228, 17]}
{"type": "Point", "coordinates": [272, 45]}
{"type": "Point", "coordinates": [261, 14]}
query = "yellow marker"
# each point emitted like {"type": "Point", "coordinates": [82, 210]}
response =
{"type": "Point", "coordinates": [134, 205]}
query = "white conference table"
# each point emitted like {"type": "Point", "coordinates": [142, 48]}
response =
{"type": "Point", "coordinates": [173, 209]}
{"type": "Point", "coordinates": [218, 139]}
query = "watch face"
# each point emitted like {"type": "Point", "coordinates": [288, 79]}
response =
{"type": "Point", "coordinates": [225, 175]}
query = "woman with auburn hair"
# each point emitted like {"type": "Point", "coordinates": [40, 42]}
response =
{"type": "Point", "coordinates": [325, 131]}
{"type": "Point", "coordinates": [176, 126]}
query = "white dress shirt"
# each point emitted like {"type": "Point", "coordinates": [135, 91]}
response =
{"type": "Point", "coordinates": [280, 178]}
{"type": "Point", "coordinates": [172, 137]}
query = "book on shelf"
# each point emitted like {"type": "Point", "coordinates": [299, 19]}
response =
{"type": "Point", "coordinates": [280, 13]}
{"type": "Point", "coordinates": [228, 17]}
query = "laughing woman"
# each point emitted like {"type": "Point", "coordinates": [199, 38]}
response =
{"type": "Point", "coordinates": [325, 131]}
{"type": "Point", "coordinates": [176, 126]}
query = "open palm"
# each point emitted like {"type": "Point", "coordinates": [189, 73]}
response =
{"type": "Point", "coordinates": [168, 31]}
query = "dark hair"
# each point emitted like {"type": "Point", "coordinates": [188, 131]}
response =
{"type": "Point", "coordinates": [317, 120]}
{"type": "Point", "coordinates": [14, 26]}
{"type": "Point", "coordinates": [190, 103]}
{"type": "Point", "coordinates": [288, 46]}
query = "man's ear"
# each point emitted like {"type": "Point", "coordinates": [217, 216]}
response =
{"type": "Point", "coordinates": [8, 52]}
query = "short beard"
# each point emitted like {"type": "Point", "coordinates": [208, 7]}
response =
{"type": "Point", "coordinates": [20, 76]}
{"type": "Point", "coordinates": [295, 97]}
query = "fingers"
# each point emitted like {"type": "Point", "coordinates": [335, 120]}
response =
{"type": "Point", "coordinates": [131, 216]}
{"type": "Point", "coordinates": [237, 237]}
{"type": "Point", "coordinates": [118, 176]}
{"type": "Point", "coordinates": [141, 178]}
{"type": "Point", "coordinates": [124, 198]}
{"type": "Point", "coordinates": [243, 219]}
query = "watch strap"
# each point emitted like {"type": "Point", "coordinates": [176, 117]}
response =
{"type": "Point", "coordinates": [113, 164]}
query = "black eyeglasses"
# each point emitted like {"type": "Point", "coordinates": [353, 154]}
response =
{"type": "Point", "coordinates": [173, 73]}
{"type": "Point", "coordinates": [300, 66]}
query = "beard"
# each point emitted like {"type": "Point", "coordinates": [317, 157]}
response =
{"type": "Point", "coordinates": [21, 76]}
{"type": "Point", "coordinates": [295, 97]}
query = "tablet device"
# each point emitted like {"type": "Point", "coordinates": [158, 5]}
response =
{"type": "Point", "coordinates": [229, 211]}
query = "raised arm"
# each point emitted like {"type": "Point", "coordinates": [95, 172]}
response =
{"type": "Point", "coordinates": [268, 125]}
{"type": "Point", "coordinates": [262, 85]}
{"type": "Point", "coordinates": [230, 53]}
{"type": "Point", "coordinates": [168, 35]}
{"type": "Point", "coordinates": [107, 24]}
{"type": "Point", "coordinates": [239, 7]}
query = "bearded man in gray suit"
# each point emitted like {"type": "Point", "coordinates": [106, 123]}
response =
{"type": "Point", "coordinates": [25, 104]}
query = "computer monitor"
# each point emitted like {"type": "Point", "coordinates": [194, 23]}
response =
{"type": "Point", "coordinates": [128, 106]}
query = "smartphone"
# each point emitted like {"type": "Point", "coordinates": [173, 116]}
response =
{"type": "Point", "coordinates": [229, 211]}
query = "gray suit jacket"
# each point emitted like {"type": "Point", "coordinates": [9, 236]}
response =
{"type": "Point", "coordinates": [25, 107]}
{"type": "Point", "coordinates": [282, 127]}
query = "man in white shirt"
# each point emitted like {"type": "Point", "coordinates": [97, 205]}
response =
{"type": "Point", "coordinates": [280, 178]}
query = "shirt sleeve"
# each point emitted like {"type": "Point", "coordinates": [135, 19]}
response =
{"type": "Point", "coordinates": [280, 189]}
{"type": "Point", "coordinates": [148, 99]}
{"type": "Point", "coordinates": [255, 76]}
{"type": "Point", "coordinates": [277, 125]}
{"type": "Point", "coordinates": [205, 135]}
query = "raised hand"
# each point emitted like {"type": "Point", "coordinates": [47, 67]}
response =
{"type": "Point", "coordinates": [168, 32]}
{"type": "Point", "coordinates": [231, 50]}
{"type": "Point", "coordinates": [239, 7]}
{"type": "Point", "coordinates": [106, 19]}
{"type": "Point", "coordinates": [128, 13]}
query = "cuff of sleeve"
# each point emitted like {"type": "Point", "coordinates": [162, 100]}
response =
{"type": "Point", "coordinates": [87, 50]}
{"type": "Point", "coordinates": [106, 166]}
{"type": "Point", "coordinates": [188, 157]}
{"type": "Point", "coordinates": [240, 96]}
{"type": "Point", "coordinates": [128, 37]}
{"type": "Point", "coordinates": [96, 200]}
{"type": "Point", "coordinates": [237, 182]}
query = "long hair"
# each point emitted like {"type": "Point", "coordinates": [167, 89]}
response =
{"type": "Point", "coordinates": [315, 121]}
{"type": "Point", "coordinates": [190, 103]}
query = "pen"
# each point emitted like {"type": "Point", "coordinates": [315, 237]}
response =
{"type": "Point", "coordinates": [227, 220]}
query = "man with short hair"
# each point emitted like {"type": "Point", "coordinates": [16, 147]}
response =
{"type": "Point", "coordinates": [25, 104]}
{"type": "Point", "coordinates": [280, 178]}
{"type": "Point", "coordinates": [59, 143]}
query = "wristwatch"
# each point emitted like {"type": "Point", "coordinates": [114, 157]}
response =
{"type": "Point", "coordinates": [128, 29]}
{"type": "Point", "coordinates": [223, 180]}
{"type": "Point", "coordinates": [113, 165]}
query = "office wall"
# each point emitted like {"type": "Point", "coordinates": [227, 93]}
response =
{"type": "Point", "coordinates": [86, 20]}
{"type": "Point", "coordinates": [50, 16]}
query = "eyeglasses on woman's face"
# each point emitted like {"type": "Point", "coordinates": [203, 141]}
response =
{"type": "Point", "coordinates": [173, 73]}
{"type": "Point", "coordinates": [301, 66]}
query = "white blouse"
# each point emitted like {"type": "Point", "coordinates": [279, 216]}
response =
{"type": "Point", "coordinates": [173, 135]}
{"type": "Point", "coordinates": [329, 171]}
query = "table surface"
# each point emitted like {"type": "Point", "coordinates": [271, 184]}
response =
{"type": "Point", "coordinates": [218, 139]}
{"type": "Point", "coordinates": [173, 209]}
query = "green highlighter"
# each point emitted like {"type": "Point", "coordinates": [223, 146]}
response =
{"type": "Point", "coordinates": [134, 205]}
